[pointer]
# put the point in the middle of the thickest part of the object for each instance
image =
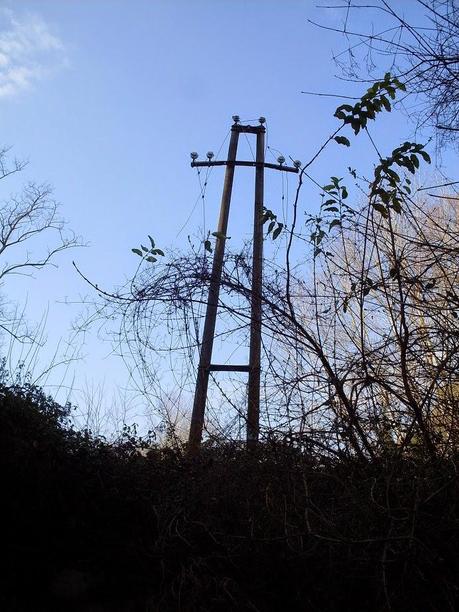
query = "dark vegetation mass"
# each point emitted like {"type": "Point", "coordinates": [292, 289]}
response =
{"type": "Point", "coordinates": [90, 525]}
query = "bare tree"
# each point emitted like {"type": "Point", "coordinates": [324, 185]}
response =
{"type": "Point", "coordinates": [32, 233]}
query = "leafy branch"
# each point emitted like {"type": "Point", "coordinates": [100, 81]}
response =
{"type": "Point", "coordinates": [149, 254]}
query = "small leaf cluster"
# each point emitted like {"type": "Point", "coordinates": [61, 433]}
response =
{"type": "Point", "coordinates": [387, 183]}
{"type": "Point", "coordinates": [364, 287]}
{"type": "Point", "coordinates": [374, 101]}
{"type": "Point", "coordinates": [274, 227]}
{"type": "Point", "coordinates": [334, 211]}
{"type": "Point", "coordinates": [149, 254]}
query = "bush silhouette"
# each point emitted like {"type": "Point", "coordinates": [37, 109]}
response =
{"type": "Point", "coordinates": [96, 526]}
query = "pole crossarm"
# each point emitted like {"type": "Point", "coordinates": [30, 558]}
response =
{"type": "Point", "coordinates": [215, 367]}
{"type": "Point", "coordinates": [252, 164]}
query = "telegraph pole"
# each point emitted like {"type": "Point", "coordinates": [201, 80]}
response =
{"type": "Point", "coordinates": [253, 405]}
{"type": "Point", "coordinates": [197, 418]}
{"type": "Point", "coordinates": [254, 367]}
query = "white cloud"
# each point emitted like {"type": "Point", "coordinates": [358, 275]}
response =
{"type": "Point", "coordinates": [29, 52]}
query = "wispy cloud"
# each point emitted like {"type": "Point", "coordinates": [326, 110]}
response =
{"type": "Point", "coordinates": [29, 51]}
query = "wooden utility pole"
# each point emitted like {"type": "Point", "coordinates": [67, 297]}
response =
{"type": "Point", "coordinates": [254, 366]}
{"type": "Point", "coordinates": [253, 405]}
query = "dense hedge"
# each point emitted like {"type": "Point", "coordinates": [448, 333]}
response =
{"type": "Point", "coordinates": [95, 526]}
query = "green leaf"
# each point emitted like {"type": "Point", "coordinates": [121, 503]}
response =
{"type": "Point", "coordinates": [425, 156]}
{"type": "Point", "coordinates": [208, 246]}
{"type": "Point", "coordinates": [344, 193]}
{"type": "Point", "coordinates": [386, 103]}
{"type": "Point", "coordinates": [319, 236]}
{"type": "Point", "coordinates": [271, 226]}
{"type": "Point", "coordinates": [151, 259]}
{"type": "Point", "coordinates": [355, 123]}
{"type": "Point", "coordinates": [343, 140]}
{"type": "Point", "coordinates": [342, 109]}
{"type": "Point", "coordinates": [415, 160]}
{"type": "Point", "coordinates": [277, 231]}
{"type": "Point", "coordinates": [334, 223]}
{"type": "Point", "coordinates": [144, 248]}
{"type": "Point", "coordinates": [159, 252]}
{"type": "Point", "coordinates": [152, 242]}
{"type": "Point", "coordinates": [137, 252]}
{"type": "Point", "coordinates": [381, 209]}
{"type": "Point", "coordinates": [391, 92]}
{"type": "Point", "coordinates": [401, 86]}
{"type": "Point", "coordinates": [393, 174]}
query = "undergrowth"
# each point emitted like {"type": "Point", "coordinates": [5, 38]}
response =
{"type": "Point", "coordinates": [93, 526]}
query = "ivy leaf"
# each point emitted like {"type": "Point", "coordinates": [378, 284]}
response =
{"type": "Point", "coordinates": [343, 140]}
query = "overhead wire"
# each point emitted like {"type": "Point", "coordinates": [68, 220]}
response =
{"type": "Point", "coordinates": [202, 190]}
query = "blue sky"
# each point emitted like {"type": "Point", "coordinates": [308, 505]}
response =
{"type": "Point", "coordinates": [107, 99]}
